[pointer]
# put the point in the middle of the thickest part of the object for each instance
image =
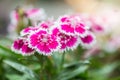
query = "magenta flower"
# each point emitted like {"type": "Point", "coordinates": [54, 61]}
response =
{"type": "Point", "coordinates": [17, 45]}
{"type": "Point", "coordinates": [72, 25]}
{"type": "Point", "coordinates": [26, 50]}
{"type": "Point", "coordinates": [28, 30]}
{"type": "Point", "coordinates": [21, 46]}
{"type": "Point", "coordinates": [88, 40]}
{"type": "Point", "coordinates": [43, 42]}
{"type": "Point", "coordinates": [66, 41]}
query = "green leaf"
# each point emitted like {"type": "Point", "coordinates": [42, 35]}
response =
{"type": "Point", "coordinates": [22, 69]}
{"type": "Point", "coordinates": [69, 74]}
{"type": "Point", "coordinates": [6, 49]}
{"type": "Point", "coordinates": [8, 53]}
{"type": "Point", "coordinates": [5, 41]}
{"type": "Point", "coordinates": [76, 63]}
{"type": "Point", "coordinates": [104, 72]}
{"type": "Point", "coordinates": [116, 78]}
{"type": "Point", "coordinates": [16, 77]}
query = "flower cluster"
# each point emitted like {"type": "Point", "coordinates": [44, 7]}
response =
{"type": "Point", "coordinates": [49, 36]}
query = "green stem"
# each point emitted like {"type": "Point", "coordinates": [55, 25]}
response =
{"type": "Point", "coordinates": [41, 61]}
{"type": "Point", "coordinates": [44, 62]}
{"type": "Point", "coordinates": [62, 60]}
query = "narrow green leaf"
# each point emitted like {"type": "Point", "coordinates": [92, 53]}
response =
{"type": "Point", "coordinates": [6, 49]}
{"type": "Point", "coordinates": [16, 77]}
{"type": "Point", "coordinates": [22, 69]}
{"type": "Point", "coordinates": [66, 75]}
{"type": "Point", "coordinates": [76, 64]}
{"type": "Point", "coordinates": [104, 72]}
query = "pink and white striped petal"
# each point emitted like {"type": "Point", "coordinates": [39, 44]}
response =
{"type": "Point", "coordinates": [72, 25]}
{"type": "Point", "coordinates": [17, 45]}
{"type": "Point", "coordinates": [43, 42]}
{"type": "Point", "coordinates": [21, 46]}
{"type": "Point", "coordinates": [65, 41]}
{"type": "Point", "coordinates": [28, 30]}
{"type": "Point", "coordinates": [26, 50]}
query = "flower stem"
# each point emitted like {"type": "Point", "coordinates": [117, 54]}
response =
{"type": "Point", "coordinates": [41, 61]}
{"type": "Point", "coordinates": [62, 60]}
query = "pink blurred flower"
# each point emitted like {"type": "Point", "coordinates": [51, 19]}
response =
{"type": "Point", "coordinates": [113, 44]}
{"type": "Point", "coordinates": [35, 14]}
{"type": "Point", "coordinates": [93, 51]}
{"type": "Point", "coordinates": [14, 17]}
{"type": "Point", "coordinates": [104, 21]}
{"type": "Point", "coordinates": [25, 16]}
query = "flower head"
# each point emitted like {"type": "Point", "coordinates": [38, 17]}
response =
{"type": "Point", "coordinates": [72, 25]}
{"type": "Point", "coordinates": [66, 41]}
{"type": "Point", "coordinates": [43, 42]}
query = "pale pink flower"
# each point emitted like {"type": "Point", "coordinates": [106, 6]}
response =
{"type": "Point", "coordinates": [27, 15]}
{"type": "Point", "coordinates": [14, 17]}
{"type": "Point", "coordinates": [43, 42]}
{"type": "Point", "coordinates": [98, 24]}
{"type": "Point", "coordinates": [104, 21]}
{"type": "Point", "coordinates": [11, 28]}
{"type": "Point", "coordinates": [93, 51]}
{"type": "Point", "coordinates": [113, 44]}
{"type": "Point", "coordinates": [35, 14]}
